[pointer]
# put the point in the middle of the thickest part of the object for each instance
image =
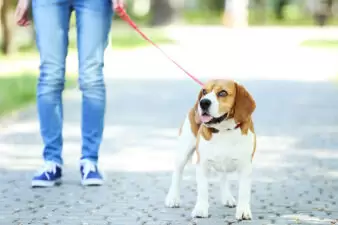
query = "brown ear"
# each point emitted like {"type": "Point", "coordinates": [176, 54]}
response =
{"type": "Point", "coordinates": [196, 117]}
{"type": "Point", "coordinates": [198, 99]}
{"type": "Point", "coordinates": [244, 104]}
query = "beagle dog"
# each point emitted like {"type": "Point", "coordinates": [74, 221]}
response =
{"type": "Point", "coordinates": [220, 130]}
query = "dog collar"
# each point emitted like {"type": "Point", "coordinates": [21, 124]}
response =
{"type": "Point", "coordinates": [238, 125]}
{"type": "Point", "coordinates": [214, 130]}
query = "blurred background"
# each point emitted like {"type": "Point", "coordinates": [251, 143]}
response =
{"type": "Point", "coordinates": [209, 24]}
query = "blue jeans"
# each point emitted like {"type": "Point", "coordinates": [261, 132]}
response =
{"type": "Point", "coordinates": [93, 22]}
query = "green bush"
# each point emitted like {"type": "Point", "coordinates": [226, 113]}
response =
{"type": "Point", "coordinates": [131, 39]}
{"type": "Point", "coordinates": [320, 43]}
{"type": "Point", "coordinates": [18, 90]}
{"type": "Point", "coordinates": [294, 16]}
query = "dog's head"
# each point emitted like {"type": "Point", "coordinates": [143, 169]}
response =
{"type": "Point", "coordinates": [220, 100]}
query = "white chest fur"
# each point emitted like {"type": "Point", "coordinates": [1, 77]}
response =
{"type": "Point", "coordinates": [227, 151]}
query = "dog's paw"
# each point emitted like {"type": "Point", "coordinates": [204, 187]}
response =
{"type": "Point", "coordinates": [172, 200]}
{"type": "Point", "coordinates": [243, 212]}
{"type": "Point", "coordinates": [229, 201]}
{"type": "Point", "coordinates": [201, 210]}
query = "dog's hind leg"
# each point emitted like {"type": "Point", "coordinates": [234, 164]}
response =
{"type": "Point", "coordinates": [186, 142]}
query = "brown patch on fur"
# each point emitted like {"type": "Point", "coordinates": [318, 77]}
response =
{"type": "Point", "coordinates": [194, 118]}
{"type": "Point", "coordinates": [193, 125]}
{"type": "Point", "coordinates": [252, 129]}
{"type": "Point", "coordinates": [254, 148]}
{"type": "Point", "coordinates": [197, 118]}
{"type": "Point", "coordinates": [218, 85]}
{"type": "Point", "coordinates": [206, 133]}
{"type": "Point", "coordinates": [225, 103]}
{"type": "Point", "coordinates": [198, 100]}
{"type": "Point", "coordinates": [243, 108]}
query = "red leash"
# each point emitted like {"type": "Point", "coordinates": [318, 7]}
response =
{"type": "Point", "coordinates": [123, 14]}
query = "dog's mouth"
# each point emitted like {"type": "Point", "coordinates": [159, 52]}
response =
{"type": "Point", "coordinates": [206, 118]}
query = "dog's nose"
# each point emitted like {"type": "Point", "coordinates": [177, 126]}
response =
{"type": "Point", "coordinates": [205, 104]}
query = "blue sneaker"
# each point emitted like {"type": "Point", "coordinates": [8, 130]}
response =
{"type": "Point", "coordinates": [48, 176]}
{"type": "Point", "coordinates": [90, 174]}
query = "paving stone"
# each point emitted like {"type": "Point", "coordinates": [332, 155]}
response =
{"type": "Point", "coordinates": [295, 168]}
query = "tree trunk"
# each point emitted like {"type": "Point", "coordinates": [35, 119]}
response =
{"type": "Point", "coordinates": [322, 10]}
{"type": "Point", "coordinates": [261, 9]}
{"type": "Point", "coordinates": [279, 9]}
{"type": "Point", "coordinates": [164, 12]}
{"type": "Point", "coordinates": [236, 13]}
{"type": "Point", "coordinates": [5, 45]}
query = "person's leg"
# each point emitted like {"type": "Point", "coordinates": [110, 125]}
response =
{"type": "Point", "coordinates": [93, 20]}
{"type": "Point", "coordinates": [51, 21]}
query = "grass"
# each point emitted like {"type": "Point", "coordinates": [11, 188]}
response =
{"type": "Point", "coordinates": [121, 38]}
{"type": "Point", "coordinates": [21, 54]}
{"type": "Point", "coordinates": [19, 90]}
{"type": "Point", "coordinates": [127, 38]}
{"type": "Point", "coordinates": [131, 39]}
{"type": "Point", "coordinates": [202, 17]}
{"type": "Point", "coordinates": [327, 44]}
{"type": "Point", "coordinates": [293, 17]}
{"type": "Point", "coordinates": [16, 91]}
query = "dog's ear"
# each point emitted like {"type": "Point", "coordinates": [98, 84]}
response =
{"type": "Point", "coordinates": [244, 104]}
{"type": "Point", "coordinates": [196, 117]}
{"type": "Point", "coordinates": [198, 99]}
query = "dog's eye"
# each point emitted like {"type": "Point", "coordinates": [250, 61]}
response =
{"type": "Point", "coordinates": [222, 93]}
{"type": "Point", "coordinates": [204, 92]}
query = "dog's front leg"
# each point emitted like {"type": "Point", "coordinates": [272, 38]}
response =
{"type": "Point", "coordinates": [184, 153]}
{"type": "Point", "coordinates": [201, 209]}
{"type": "Point", "coordinates": [226, 196]}
{"type": "Point", "coordinates": [243, 210]}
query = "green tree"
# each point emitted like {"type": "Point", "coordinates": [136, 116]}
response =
{"type": "Point", "coordinates": [261, 6]}
{"type": "Point", "coordinates": [279, 8]}
{"type": "Point", "coordinates": [164, 12]}
{"type": "Point", "coordinates": [323, 11]}
{"type": "Point", "coordinates": [8, 28]}
{"type": "Point", "coordinates": [212, 5]}
{"type": "Point", "coordinates": [5, 27]}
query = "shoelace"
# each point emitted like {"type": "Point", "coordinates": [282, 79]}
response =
{"type": "Point", "coordinates": [87, 168]}
{"type": "Point", "coordinates": [47, 168]}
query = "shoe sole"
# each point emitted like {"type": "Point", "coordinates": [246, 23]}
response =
{"type": "Point", "coordinates": [92, 182]}
{"type": "Point", "coordinates": [43, 183]}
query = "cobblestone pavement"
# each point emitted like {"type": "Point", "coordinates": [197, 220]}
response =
{"type": "Point", "coordinates": [295, 175]}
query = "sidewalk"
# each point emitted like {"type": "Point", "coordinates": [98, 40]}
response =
{"type": "Point", "coordinates": [295, 168]}
{"type": "Point", "coordinates": [254, 53]}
